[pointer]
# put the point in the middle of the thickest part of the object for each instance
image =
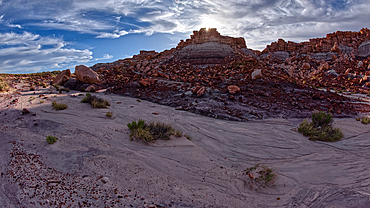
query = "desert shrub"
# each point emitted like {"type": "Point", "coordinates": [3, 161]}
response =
{"type": "Point", "coordinates": [3, 85]}
{"type": "Point", "coordinates": [152, 131]}
{"type": "Point", "coordinates": [60, 106]}
{"type": "Point", "coordinates": [261, 175]}
{"type": "Point", "coordinates": [32, 89]}
{"type": "Point", "coordinates": [320, 128]}
{"type": "Point", "coordinates": [365, 120]}
{"type": "Point", "coordinates": [51, 139]}
{"type": "Point", "coordinates": [95, 102]}
{"type": "Point", "coordinates": [358, 119]}
{"type": "Point", "coordinates": [109, 114]}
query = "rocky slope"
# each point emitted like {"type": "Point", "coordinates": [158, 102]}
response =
{"type": "Point", "coordinates": [282, 81]}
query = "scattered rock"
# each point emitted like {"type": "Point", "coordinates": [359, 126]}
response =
{"type": "Point", "coordinates": [306, 66]}
{"type": "Point", "coordinates": [105, 179]}
{"type": "Point", "coordinates": [233, 89]}
{"type": "Point", "coordinates": [257, 74]}
{"type": "Point", "coordinates": [90, 88]}
{"type": "Point", "coordinates": [25, 111]}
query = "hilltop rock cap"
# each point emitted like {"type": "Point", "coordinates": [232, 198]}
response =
{"type": "Point", "coordinates": [86, 75]}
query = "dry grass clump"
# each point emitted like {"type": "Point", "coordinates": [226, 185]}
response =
{"type": "Point", "coordinates": [109, 114]}
{"type": "Point", "coordinates": [3, 85]}
{"type": "Point", "coordinates": [60, 106]}
{"type": "Point", "coordinates": [51, 139]}
{"type": "Point", "coordinates": [261, 175]}
{"type": "Point", "coordinates": [320, 128]}
{"type": "Point", "coordinates": [95, 102]}
{"type": "Point", "coordinates": [152, 131]}
{"type": "Point", "coordinates": [365, 120]}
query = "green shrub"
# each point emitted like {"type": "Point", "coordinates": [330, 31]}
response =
{"type": "Point", "coordinates": [95, 102]}
{"type": "Point", "coordinates": [57, 106]}
{"type": "Point", "coordinates": [365, 120]}
{"type": "Point", "coordinates": [56, 87]}
{"type": "Point", "coordinates": [109, 114]}
{"type": "Point", "coordinates": [358, 119]}
{"type": "Point", "coordinates": [152, 131]}
{"type": "Point", "coordinates": [51, 139]}
{"type": "Point", "coordinates": [32, 89]}
{"type": "Point", "coordinates": [320, 128]}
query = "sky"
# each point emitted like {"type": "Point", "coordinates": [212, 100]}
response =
{"type": "Point", "coordinates": [47, 35]}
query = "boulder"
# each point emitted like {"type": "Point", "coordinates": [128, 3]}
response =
{"type": "Point", "coordinates": [257, 74]}
{"type": "Point", "coordinates": [62, 77]}
{"type": "Point", "coordinates": [331, 73]}
{"type": "Point", "coordinates": [233, 89]}
{"type": "Point", "coordinates": [364, 49]}
{"type": "Point", "coordinates": [86, 75]}
{"type": "Point", "coordinates": [71, 84]}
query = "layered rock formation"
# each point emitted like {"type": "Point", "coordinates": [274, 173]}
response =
{"type": "Point", "coordinates": [207, 47]}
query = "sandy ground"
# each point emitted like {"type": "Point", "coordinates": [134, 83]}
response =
{"type": "Point", "coordinates": [94, 163]}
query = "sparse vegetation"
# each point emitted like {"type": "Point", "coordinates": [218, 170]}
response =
{"type": "Point", "coordinates": [358, 119]}
{"type": "Point", "coordinates": [60, 106]}
{"type": "Point", "coordinates": [32, 89]}
{"type": "Point", "coordinates": [188, 137]}
{"type": "Point", "coordinates": [42, 101]}
{"type": "Point", "coordinates": [320, 128]}
{"type": "Point", "coordinates": [365, 120]}
{"type": "Point", "coordinates": [109, 114]}
{"type": "Point", "coordinates": [261, 175]}
{"type": "Point", "coordinates": [152, 131]}
{"type": "Point", "coordinates": [94, 101]}
{"type": "Point", "coordinates": [56, 87]}
{"type": "Point", "coordinates": [51, 139]}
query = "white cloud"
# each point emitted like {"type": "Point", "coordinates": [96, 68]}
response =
{"type": "Point", "coordinates": [105, 57]}
{"type": "Point", "coordinates": [31, 52]}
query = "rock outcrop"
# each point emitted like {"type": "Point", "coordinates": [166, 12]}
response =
{"type": "Point", "coordinates": [86, 75]}
{"type": "Point", "coordinates": [62, 77]}
{"type": "Point", "coordinates": [207, 47]}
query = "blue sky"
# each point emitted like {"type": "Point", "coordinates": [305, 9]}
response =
{"type": "Point", "coordinates": [44, 35]}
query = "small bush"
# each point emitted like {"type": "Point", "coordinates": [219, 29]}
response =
{"type": "Point", "coordinates": [152, 131]}
{"type": "Point", "coordinates": [109, 114]}
{"type": "Point", "coordinates": [57, 106]}
{"type": "Point", "coordinates": [56, 87]}
{"type": "Point", "coordinates": [32, 89]}
{"type": "Point", "coordinates": [95, 102]}
{"type": "Point", "coordinates": [42, 101]}
{"type": "Point", "coordinates": [51, 139]}
{"type": "Point", "coordinates": [263, 175]}
{"type": "Point", "coordinates": [365, 120]}
{"type": "Point", "coordinates": [320, 128]}
{"type": "Point", "coordinates": [358, 119]}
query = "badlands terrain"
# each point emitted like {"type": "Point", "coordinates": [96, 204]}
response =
{"type": "Point", "coordinates": [237, 109]}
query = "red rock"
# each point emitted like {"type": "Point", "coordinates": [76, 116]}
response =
{"type": "Point", "coordinates": [233, 89]}
{"type": "Point", "coordinates": [62, 77]}
{"type": "Point", "coordinates": [25, 111]}
{"type": "Point", "coordinates": [86, 75]}
{"type": "Point", "coordinates": [306, 66]}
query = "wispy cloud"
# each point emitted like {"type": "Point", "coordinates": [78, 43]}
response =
{"type": "Point", "coordinates": [31, 52]}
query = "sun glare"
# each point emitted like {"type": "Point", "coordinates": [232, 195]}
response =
{"type": "Point", "coordinates": [209, 22]}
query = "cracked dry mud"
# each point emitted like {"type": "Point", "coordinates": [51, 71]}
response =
{"type": "Point", "coordinates": [95, 164]}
